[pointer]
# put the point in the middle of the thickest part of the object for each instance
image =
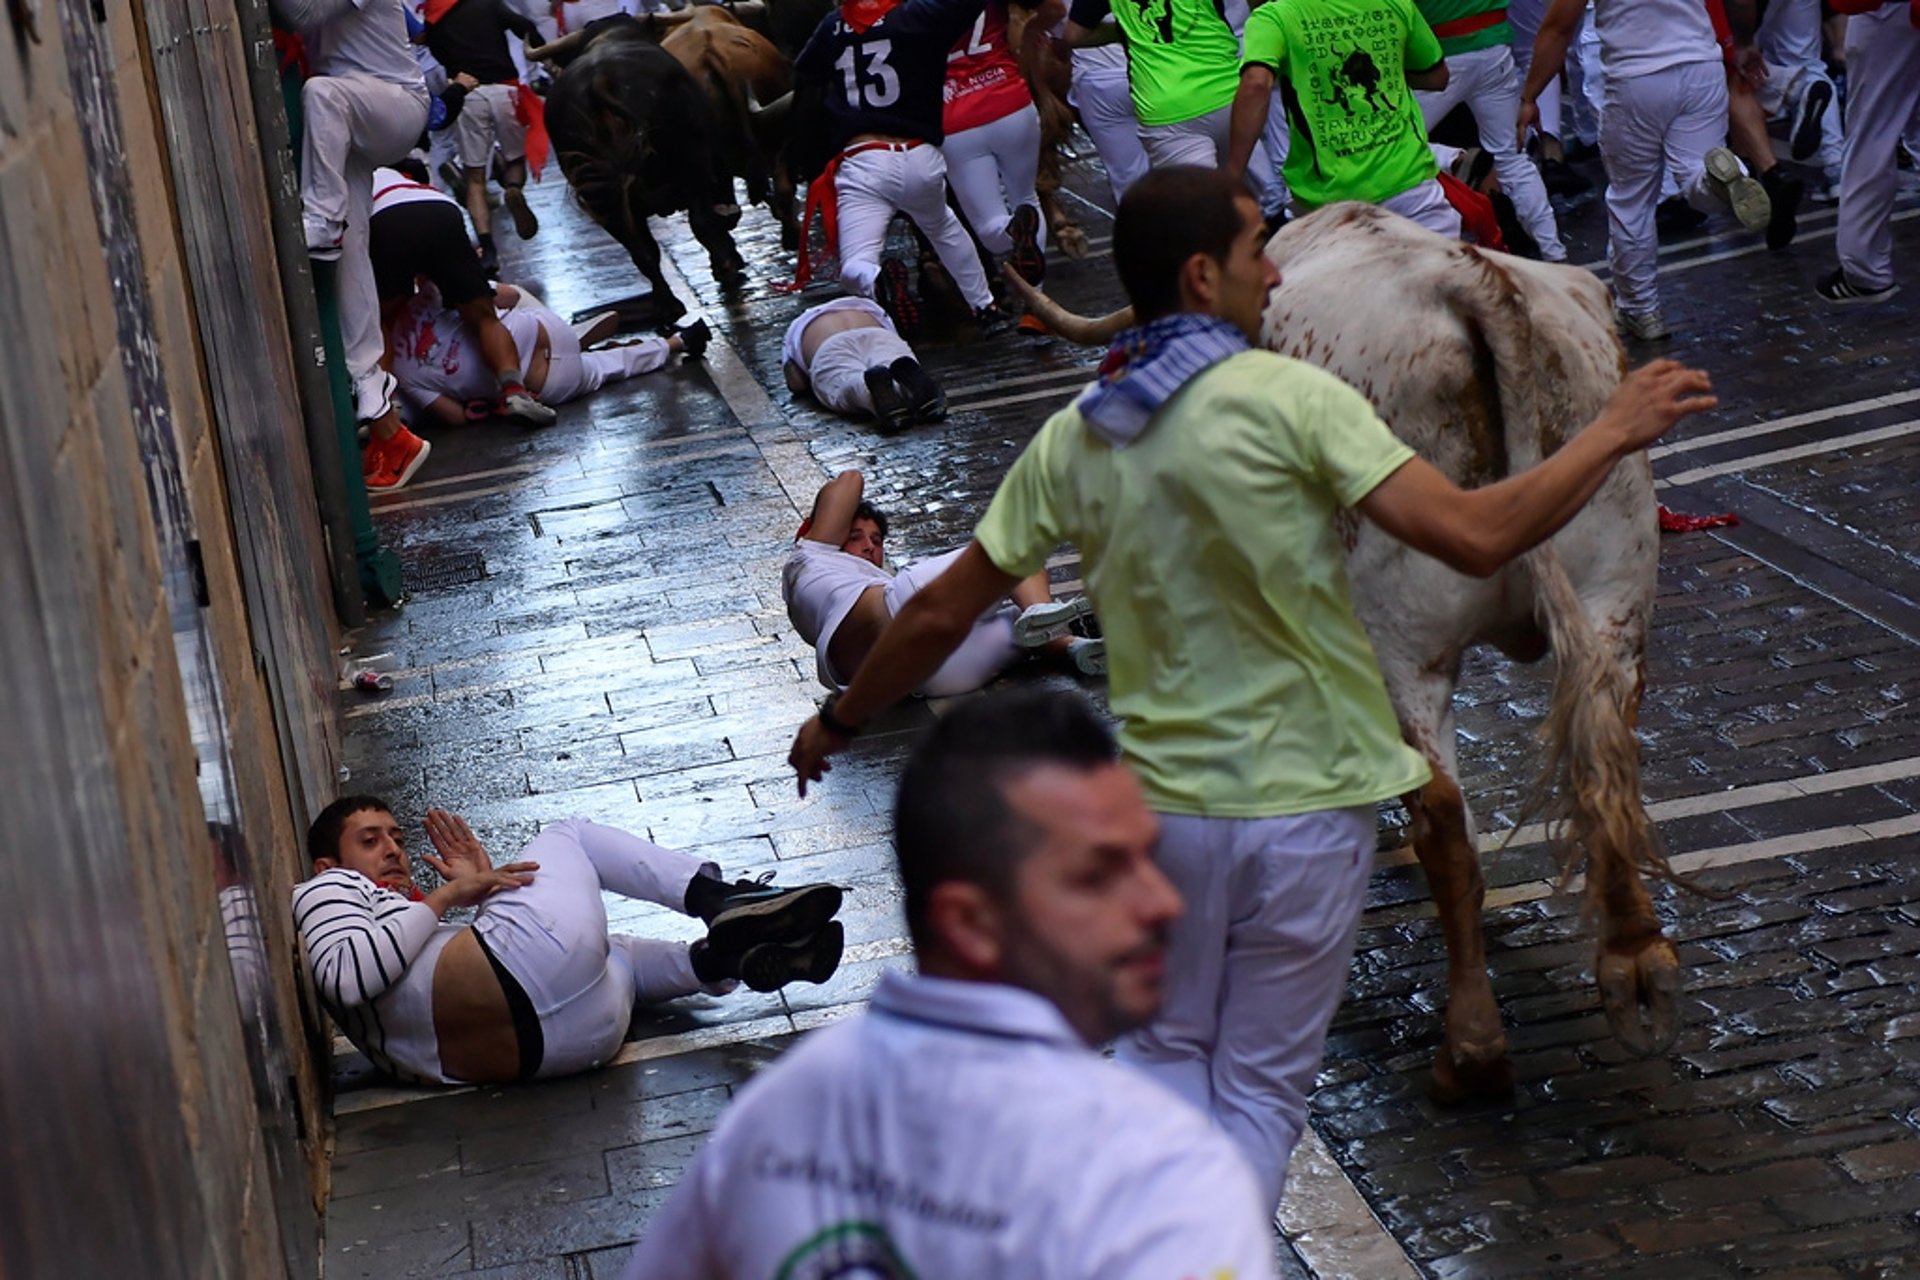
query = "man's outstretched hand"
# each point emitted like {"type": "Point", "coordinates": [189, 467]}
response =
{"type": "Point", "coordinates": [461, 852]}
{"type": "Point", "coordinates": [811, 747]}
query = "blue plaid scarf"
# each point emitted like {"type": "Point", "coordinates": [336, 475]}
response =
{"type": "Point", "coordinates": [1147, 364]}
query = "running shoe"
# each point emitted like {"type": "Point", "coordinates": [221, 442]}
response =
{"type": "Point", "coordinates": [891, 412]}
{"type": "Point", "coordinates": [397, 460]}
{"type": "Point", "coordinates": [923, 395]}
{"type": "Point", "coordinates": [1783, 193]}
{"type": "Point", "coordinates": [1089, 656]}
{"type": "Point", "coordinates": [772, 965]}
{"type": "Point", "coordinates": [694, 339]}
{"type": "Point", "coordinates": [525, 225]}
{"type": "Point", "coordinates": [1040, 623]}
{"type": "Point", "coordinates": [1642, 326]}
{"type": "Point", "coordinates": [755, 913]}
{"type": "Point", "coordinates": [992, 319]}
{"type": "Point", "coordinates": [1029, 260]}
{"type": "Point", "coordinates": [518, 405]}
{"type": "Point", "coordinates": [1746, 197]}
{"type": "Point", "coordinates": [1805, 135]}
{"type": "Point", "coordinates": [1837, 288]}
{"type": "Point", "coordinates": [894, 293]}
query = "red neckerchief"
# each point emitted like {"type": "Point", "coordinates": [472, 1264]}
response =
{"type": "Point", "coordinates": [437, 9]}
{"type": "Point", "coordinates": [861, 14]}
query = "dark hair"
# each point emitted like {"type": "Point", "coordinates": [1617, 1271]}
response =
{"type": "Point", "coordinates": [323, 837]}
{"type": "Point", "coordinates": [951, 820]}
{"type": "Point", "coordinates": [867, 511]}
{"type": "Point", "coordinates": [413, 168]}
{"type": "Point", "coordinates": [1166, 217]}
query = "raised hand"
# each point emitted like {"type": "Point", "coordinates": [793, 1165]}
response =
{"type": "Point", "coordinates": [461, 852]}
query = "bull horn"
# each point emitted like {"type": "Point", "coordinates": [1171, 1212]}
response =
{"type": "Point", "coordinates": [560, 49]}
{"type": "Point", "coordinates": [774, 112]}
{"type": "Point", "coordinates": [672, 18]}
{"type": "Point", "coordinates": [1086, 331]}
{"type": "Point", "coordinates": [747, 8]}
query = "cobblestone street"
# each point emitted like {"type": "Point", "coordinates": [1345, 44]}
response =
{"type": "Point", "coordinates": [595, 628]}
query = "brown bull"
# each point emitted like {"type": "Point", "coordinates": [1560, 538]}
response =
{"type": "Point", "coordinates": [740, 69]}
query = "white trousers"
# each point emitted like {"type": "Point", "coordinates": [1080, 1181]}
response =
{"type": "Point", "coordinates": [837, 373]}
{"type": "Point", "coordinates": [986, 652]}
{"type": "Point", "coordinates": [1655, 124]}
{"type": "Point", "coordinates": [1255, 968]}
{"type": "Point", "coordinates": [551, 935]}
{"type": "Point", "coordinates": [871, 187]}
{"type": "Point", "coordinates": [1427, 204]}
{"type": "Point", "coordinates": [1485, 79]}
{"type": "Point", "coordinates": [992, 168]}
{"type": "Point", "coordinates": [1105, 103]}
{"type": "Point", "coordinates": [353, 123]}
{"type": "Point", "coordinates": [1883, 75]}
{"type": "Point", "coordinates": [488, 119]}
{"type": "Point", "coordinates": [1789, 40]}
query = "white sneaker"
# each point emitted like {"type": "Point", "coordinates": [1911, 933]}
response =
{"type": "Point", "coordinates": [1643, 326]}
{"type": "Point", "coordinates": [1037, 624]}
{"type": "Point", "coordinates": [1089, 656]}
{"type": "Point", "coordinates": [1744, 195]}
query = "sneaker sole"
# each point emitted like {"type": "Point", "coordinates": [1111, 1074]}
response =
{"type": "Point", "coordinates": [792, 918]}
{"type": "Point", "coordinates": [533, 415]}
{"type": "Point", "coordinates": [1044, 622]}
{"type": "Point", "coordinates": [413, 465]}
{"type": "Point", "coordinates": [770, 966]}
{"type": "Point", "coordinates": [1806, 138]}
{"type": "Point", "coordinates": [1751, 206]}
{"type": "Point", "coordinates": [924, 397]}
{"type": "Point", "coordinates": [1029, 260]}
{"type": "Point", "coordinates": [1090, 659]}
{"type": "Point", "coordinates": [599, 328]}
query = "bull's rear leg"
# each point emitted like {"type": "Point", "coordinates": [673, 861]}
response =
{"type": "Point", "coordinates": [1472, 1063]}
{"type": "Point", "coordinates": [1637, 968]}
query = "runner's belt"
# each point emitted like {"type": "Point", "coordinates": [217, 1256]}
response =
{"type": "Point", "coordinates": [1471, 23]}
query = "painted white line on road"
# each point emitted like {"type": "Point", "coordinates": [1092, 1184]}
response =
{"type": "Point", "coordinates": [1754, 462]}
{"type": "Point", "coordinates": [1825, 213]}
{"type": "Point", "coordinates": [1062, 394]}
{"type": "Point", "coordinates": [1674, 268]}
{"type": "Point", "coordinates": [1848, 410]}
{"type": "Point", "coordinates": [1082, 374]}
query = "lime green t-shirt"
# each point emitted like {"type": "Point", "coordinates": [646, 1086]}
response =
{"type": "Point", "coordinates": [1342, 66]}
{"type": "Point", "coordinates": [1244, 683]}
{"type": "Point", "coordinates": [1440, 12]}
{"type": "Point", "coordinates": [1182, 58]}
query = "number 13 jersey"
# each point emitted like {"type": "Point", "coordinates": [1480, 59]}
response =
{"type": "Point", "coordinates": [884, 66]}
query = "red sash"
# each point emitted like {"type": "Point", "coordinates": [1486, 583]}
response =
{"type": "Point", "coordinates": [1471, 23]}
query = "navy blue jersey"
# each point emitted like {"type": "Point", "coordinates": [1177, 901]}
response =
{"type": "Point", "coordinates": [887, 79]}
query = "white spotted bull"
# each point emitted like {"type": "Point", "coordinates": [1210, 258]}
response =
{"type": "Point", "coordinates": [1485, 364]}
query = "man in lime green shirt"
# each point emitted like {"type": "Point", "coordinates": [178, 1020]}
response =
{"type": "Point", "coordinates": [1183, 65]}
{"type": "Point", "coordinates": [1344, 69]}
{"type": "Point", "coordinates": [1203, 482]}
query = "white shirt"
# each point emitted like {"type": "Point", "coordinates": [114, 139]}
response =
{"type": "Point", "coordinates": [959, 1129]}
{"type": "Point", "coordinates": [790, 348]}
{"type": "Point", "coordinates": [371, 39]}
{"type": "Point", "coordinates": [1639, 37]}
{"type": "Point", "coordinates": [434, 353]}
{"type": "Point", "coordinates": [392, 187]}
{"type": "Point", "coordinates": [821, 584]}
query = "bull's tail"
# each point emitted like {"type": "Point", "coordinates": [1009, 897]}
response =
{"type": "Point", "coordinates": [1588, 790]}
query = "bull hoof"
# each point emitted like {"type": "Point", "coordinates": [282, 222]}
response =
{"type": "Point", "coordinates": [1641, 994]}
{"type": "Point", "coordinates": [1071, 240]}
{"type": "Point", "coordinates": [1472, 1074]}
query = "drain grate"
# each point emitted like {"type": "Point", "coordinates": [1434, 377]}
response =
{"type": "Point", "coordinates": [443, 569]}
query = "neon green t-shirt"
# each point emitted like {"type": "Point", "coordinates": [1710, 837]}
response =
{"type": "Point", "coordinates": [1440, 12]}
{"type": "Point", "coordinates": [1182, 58]}
{"type": "Point", "coordinates": [1244, 683]}
{"type": "Point", "coordinates": [1342, 65]}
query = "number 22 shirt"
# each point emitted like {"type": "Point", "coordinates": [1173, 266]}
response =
{"type": "Point", "coordinates": [885, 76]}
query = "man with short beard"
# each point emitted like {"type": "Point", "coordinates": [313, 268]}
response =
{"type": "Point", "coordinates": [965, 1126]}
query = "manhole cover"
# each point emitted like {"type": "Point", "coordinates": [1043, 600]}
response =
{"type": "Point", "coordinates": [443, 569]}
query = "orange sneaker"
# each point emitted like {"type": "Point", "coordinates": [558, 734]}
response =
{"type": "Point", "coordinates": [396, 460]}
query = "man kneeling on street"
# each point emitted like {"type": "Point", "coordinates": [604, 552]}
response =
{"type": "Point", "coordinates": [964, 1126]}
{"type": "Point", "coordinates": [534, 986]}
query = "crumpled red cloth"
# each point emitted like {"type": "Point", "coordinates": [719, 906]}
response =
{"type": "Point", "coordinates": [1673, 522]}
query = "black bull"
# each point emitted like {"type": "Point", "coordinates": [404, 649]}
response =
{"type": "Point", "coordinates": [636, 137]}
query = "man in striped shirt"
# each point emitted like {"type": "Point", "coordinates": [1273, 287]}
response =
{"type": "Point", "coordinates": [534, 985]}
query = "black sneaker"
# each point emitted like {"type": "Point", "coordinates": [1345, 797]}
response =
{"type": "Point", "coordinates": [1805, 137]}
{"type": "Point", "coordinates": [923, 394]}
{"type": "Point", "coordinates": [772, 965]}
{"type": "Point", "coordinates": [1783, 195]}
{"type": "Point", "coordinates": [992, 320]}
{"type": "Point", "coordinates": [1029, 260]}
{"type": "Point", "coordinates": [1837, 288]}
{"type": "Point", "coordinates": [891, 412]}
{"type": "Point", "coordinates": [1562, 179]}
{"type": "Point", "coordinates": [694, 339]}
{"type": "Point", "coordinates": [894, 293]}
{"type": "Point", "coordinates": [751, 914]}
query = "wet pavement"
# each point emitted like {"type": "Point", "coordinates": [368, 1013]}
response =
{"type": "Point", "coordinates": [595, 628]}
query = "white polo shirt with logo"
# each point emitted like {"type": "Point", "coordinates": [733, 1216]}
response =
{"type": "Point", "coordinates": [959, 1129]}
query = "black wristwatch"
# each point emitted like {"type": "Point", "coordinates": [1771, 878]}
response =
{"type": "Point", "coordinates": [834, 724]}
